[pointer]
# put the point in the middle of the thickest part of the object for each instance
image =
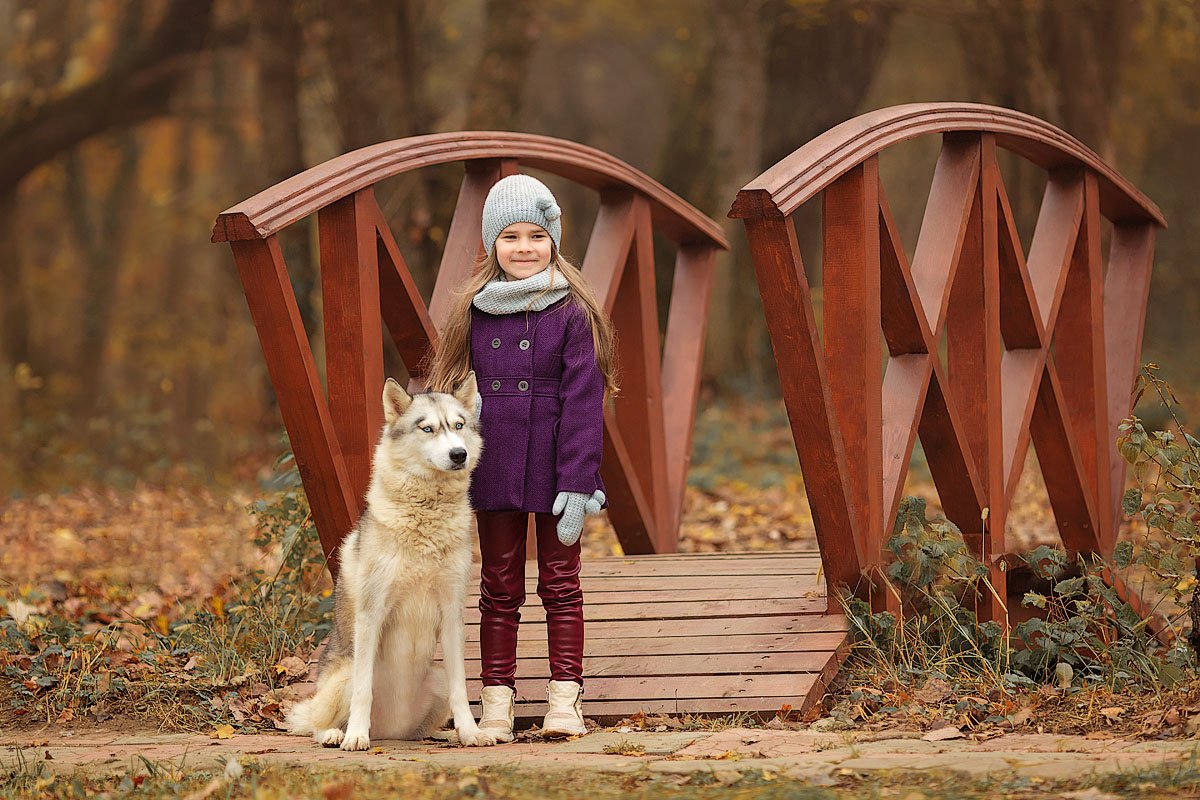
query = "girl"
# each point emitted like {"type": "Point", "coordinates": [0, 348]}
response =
{"type": "Point", "coordinates": [542, 351]}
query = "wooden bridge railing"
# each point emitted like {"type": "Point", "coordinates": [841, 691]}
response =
{"type": "Point", "coordinates": [1040, 347]}
{"type": "Point", "coordinates": [366, 286]}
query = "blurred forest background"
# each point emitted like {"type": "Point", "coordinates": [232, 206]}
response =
{"type": "Point", "coordinates": [126, 349]}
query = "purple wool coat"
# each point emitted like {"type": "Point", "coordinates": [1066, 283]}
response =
{"type": "Point", "coordinates": [543, 407]}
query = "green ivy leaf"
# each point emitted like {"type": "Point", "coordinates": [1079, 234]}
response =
{"type": "Point", "coordinates": [1131, 502]}
{"type": "Point", "coordinates": [1123, 554]}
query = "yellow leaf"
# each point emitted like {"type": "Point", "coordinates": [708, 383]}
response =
{"type": "Point", "coordinates": [222, 732]}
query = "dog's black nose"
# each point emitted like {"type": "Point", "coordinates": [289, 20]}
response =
{"type": "Point", "coordinates": [459, 455]}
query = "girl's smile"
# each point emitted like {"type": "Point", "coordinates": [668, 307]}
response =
{"type": "Point", "coordinates": [523, 249]}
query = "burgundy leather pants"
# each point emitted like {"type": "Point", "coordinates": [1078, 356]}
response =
{"type": "Point", "coordinates": [502, 591]}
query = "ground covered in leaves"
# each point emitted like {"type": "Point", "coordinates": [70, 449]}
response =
{"type": "Point", "coordinates": [196, 609]}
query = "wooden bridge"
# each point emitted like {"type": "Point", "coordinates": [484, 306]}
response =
{"type": "Point", "coordinates": [1039, 348]}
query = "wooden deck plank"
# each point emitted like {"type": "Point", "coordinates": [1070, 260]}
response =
{"type": "Point", "coordinates": [684, 687]}
{"type": "Point", "coordinates": [678, 609]}
{"type": "Point", "coordinates": [687, 587]}
{"type": "Point", "coordinates": [532, 647]}
{"type": "Point", "coordinates": [654, 628]}
{"type": "Point", "coordinates": [724, 555]}
{"type": "Point", "coordinates": [658, 665]}
{"type": "Point", "coordinates": [783, 556]}
{"type": "Point", "coordinates": [718, 571]}
{"type": "Point", "coordinates": [613, 709]}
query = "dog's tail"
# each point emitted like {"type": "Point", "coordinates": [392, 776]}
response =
{"type": "Point", "coordinates": [328, 708]}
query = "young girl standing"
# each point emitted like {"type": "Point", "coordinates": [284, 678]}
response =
{"type": "Point", "coordinates": [542, 351]}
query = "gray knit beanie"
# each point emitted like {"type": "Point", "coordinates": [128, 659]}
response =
{"type": "Point", "coordinates": [520, 198]}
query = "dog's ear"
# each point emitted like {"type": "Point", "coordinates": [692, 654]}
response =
{"type": "Point", "coordinates": [395, 401]}
{"type": "Point", "coordinates": [466, 391]}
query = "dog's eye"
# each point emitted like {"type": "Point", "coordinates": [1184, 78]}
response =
{"type": "Point", "coordinates": [458, 426]}
{"type": "Point", "coordinates": [427, 429]}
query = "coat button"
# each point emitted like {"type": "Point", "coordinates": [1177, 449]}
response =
{"type": "Point", "coordinates": [523, 386]}
{"type": "Point", "coordinates": [524, 345]}
{"type": "Point", "coordinates": [495, 386]}
{"type": "Point", "coordinates": [495, 344]}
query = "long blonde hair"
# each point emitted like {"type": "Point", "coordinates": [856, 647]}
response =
{"type": "Point", "coordinates": [450, 360]}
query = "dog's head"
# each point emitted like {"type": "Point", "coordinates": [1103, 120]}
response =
{"type": "Point", "coordinates": [432, 431]}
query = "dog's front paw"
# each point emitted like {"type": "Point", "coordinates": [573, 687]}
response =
{"type": "Point", "coordinates": [356, 741]}
{"type": "Point", "coordinates": [330, 737]}
{"type": "Point", "coordinates": [473, 737]}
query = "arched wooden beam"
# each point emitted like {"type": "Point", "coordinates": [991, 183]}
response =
{"type": "Point", "coordinates": [275, 208]}
{"type": "Point", "coordinates": [807, 171]}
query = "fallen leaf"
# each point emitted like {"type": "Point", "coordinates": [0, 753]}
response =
{"type": "Point", "coordinates": [728, 777]}
{"type": "Point", "coordinates": [222, 732]}
{"type": "Point", "coordinates": [343, 790]}
{"type": "Point", "coordinates": [1020, 717]}
{"type": "Point", "coordinates": [1112, 713]}
{"type": "Point", "coordinates": [209, 790]}
{"type": "Point", "coordinates": [933, 692]}
{"type": "Point", "coordinates": [19, 611]}
{"type": "Point", "coordinates": [292, 667]}
{"type": "Point", "coordinates": [942, 734]}
{"type": "Point", "coordinates": [1088, 794]}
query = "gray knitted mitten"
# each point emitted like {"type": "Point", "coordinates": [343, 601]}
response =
{"type": "Point", "coordinates": [573, 506]}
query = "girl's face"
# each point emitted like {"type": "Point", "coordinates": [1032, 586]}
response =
{"type": "Point", "coordinates": [523, 249]}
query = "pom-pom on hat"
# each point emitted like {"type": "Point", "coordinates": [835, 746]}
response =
{"type": "Point", "coordinates": [520, 198]}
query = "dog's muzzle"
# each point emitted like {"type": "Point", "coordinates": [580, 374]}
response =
{"type": "Point", "coordinates": [458, 458]}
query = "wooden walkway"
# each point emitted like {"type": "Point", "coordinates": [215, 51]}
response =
{"type": "Point", "coordinates": [711, 633]}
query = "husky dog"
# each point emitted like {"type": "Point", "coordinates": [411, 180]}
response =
{"type": "Point", "coordinates": [402, 584]}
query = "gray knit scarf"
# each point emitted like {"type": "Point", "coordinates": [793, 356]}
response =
{"type": "Point", "coordinates": [527, 294]}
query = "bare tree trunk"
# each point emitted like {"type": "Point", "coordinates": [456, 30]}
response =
{"type": "Point", "coordinates": [737, 106]}
{"type": "Point", "coordinates": [1059, 60]}
{"type": "Point", "coordinates": [100, 223]}
{"type": "Point", "coordinates": [819, 67]}
{"type": "Point", "coordinates": [434, 193]}
{"type": "Point", "coordinates": [1088, 51]}
{"type": "Point", "coordinates": [511, 31]}
{"type": "Point", "coordinates": [40, 74]}
{"type": "Point", "coordinates": [372, 96]}
{"type": "Point", "coordinates": [14, 299]}
{"type": "Point", "coordinates": [278, 40]}
{"type": "Point", "coordinates": [238, 180]}
{"type": "Point", "coordinates": [188, 394]}
{"type": "Point", "coordinates": [820, 63]}
{"type": "Point", "coordinates": [684, 160]}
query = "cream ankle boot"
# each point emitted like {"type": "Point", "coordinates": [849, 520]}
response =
{"type": "Point", "coordinates": [565, 716]}
{"type": "Point", "coordinates": [497, 715]}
